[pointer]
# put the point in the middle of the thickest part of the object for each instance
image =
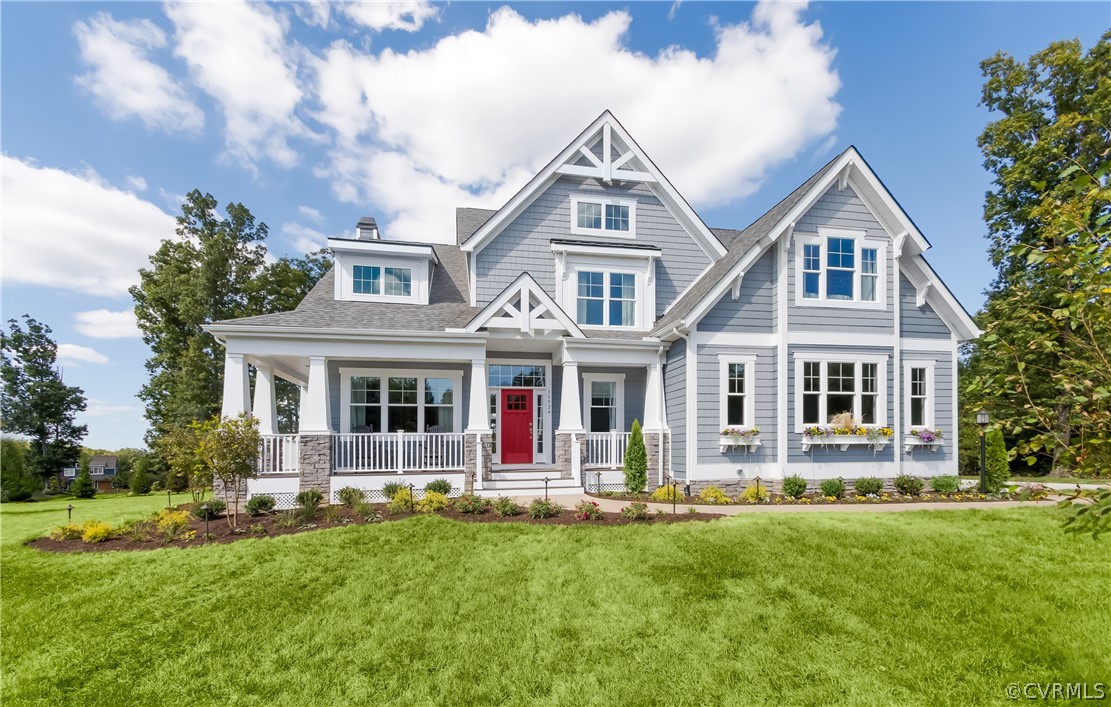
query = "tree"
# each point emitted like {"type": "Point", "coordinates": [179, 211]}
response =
{"type": "Point", "coordinates": [180, 447]}
{"type": "Point", "coordinates": [998, 462]}
{"type": "Point", "coordinates": [1046, 217]}
{"type": "Point", "coordinates": [139, 483]}
{"type": "Point", "coordinates": [83, 486]}
{"type": "Point", "coordinates": [636, 461]}
{"type": "Point", "coordinates": [215, 269]}
{"type": "Point", "coordinates": [16, 484]}
{"type": "Point", "coordinates": [230, 448]}
{"type": "Point", "coordinates": [36, 402]}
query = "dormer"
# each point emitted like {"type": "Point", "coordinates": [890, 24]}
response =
{"type": "Point", "coordinates": [369, 269]}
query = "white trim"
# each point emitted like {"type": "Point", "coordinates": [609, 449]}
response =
{"type": "Point", "coordinates": [612, 251]}
{"type": "Point", "coordinates": [384, 374]}
{"type": "Point", "coordinates": [955, 397]}
{"type": "Point", "coordinates": [860, 242]}
{"type": "Point", "coordinates": [692, 402]}
{"type": "Point", "coordinates": [781, 342]}
{"type": "Point", "coordinates": [548, 454]}
{"type": "Point", "coordinates": [644, 308]}
{"type": "Point", "coordinates": [827, 357]}
{"type": "Point", "coordinates": [419, 281]}
{"type": "Point", "coordinates": [529, 319]}
{"type": "Point", "coordinates": [616, 378]}
{"type": "Point", "coordinates": [723, 389]}
{"type": "Point", "coordinates": [931, 392]}
{"type": "Point", "coordinates": [383, 247]}
{"type": "Point", "coordinates": [603, 201]}
{"type": "Point", "coordinates": [821, 338]}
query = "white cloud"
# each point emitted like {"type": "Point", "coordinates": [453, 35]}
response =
{"type": "Point", "coordinates": [390, 14]}
{"type": "Point", "coordinates": [237, 53]}
{"type": "Point", "coordinates": [137, 183]}
{"type": "Point", "coordinates": [68, 232]}
{"type": "Point", "coordinates": [101, 408]}
{"type": "Point", "coordinates": [303, 238]}
{"type": "Point", "coordinates": [105, 324]}
{"type": "Point", "coordinates": [713, 124]}
{"type": "Point", "coordinates": [75, 355]}
{"type": "Point", "coordinates": [311, 213]}
{"type": "Point", "coordinates": [125, 82]}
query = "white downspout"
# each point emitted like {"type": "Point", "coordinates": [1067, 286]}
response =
{"type": "Point", "coordinates": [691, 401]}
{"type": "Point", "coordinates": [897, 426]}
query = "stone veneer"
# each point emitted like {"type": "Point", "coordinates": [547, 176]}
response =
{"type": "Point", "coordinates": [563, 454]}
{"type": "Point", "coordinates": [315, 463]}
{"type": "Point", "coordinates": [735, 487]}
{"type": "Point", "coordinates": [652, 443]}
{"type": "Point", "coordinates": [470, 457]}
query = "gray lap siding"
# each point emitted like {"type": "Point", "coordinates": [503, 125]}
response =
{"type": "Point", "coordinates": [675, 397]}
{"type": "Point", "coordinates": [755, 309]}
{"type": "Point", "coordinates": [919, 322]}
{"type": "Point", "coordinates": [525, 244]}
{"type": "Point", "coordinates": [709, 401]}
{"type": "Point", "coordinates": [635, 382]}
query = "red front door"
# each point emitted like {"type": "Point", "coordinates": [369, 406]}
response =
{"type": "Point", "coordinates": [515, 436]}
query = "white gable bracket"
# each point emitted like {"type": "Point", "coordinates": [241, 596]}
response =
{"type": "Point", "coordinates": [737, 286]}
{"type": "Point", "coordinates": [920, 293]}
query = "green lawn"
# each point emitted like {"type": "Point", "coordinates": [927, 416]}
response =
{"type": "Point", "coordinates": [1050, 479]}
{"type": "Point", "coordinates": [915, 607]}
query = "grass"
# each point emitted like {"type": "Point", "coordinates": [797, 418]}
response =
{"type": "Point", "coordinates": [1049, 479]}
{"type": "Point", "coordinates": [916, 607]}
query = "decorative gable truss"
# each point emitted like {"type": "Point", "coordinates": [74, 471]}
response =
{"type": "Point", "coordinates": [607, 159]}
{"type": "Point", "coordinates": [525, 308]}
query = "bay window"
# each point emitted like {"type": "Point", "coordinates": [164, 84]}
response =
{"type": "Point", "coordinates": [829, 387]}
{"type": "Point", "coordinates": [839, 269]}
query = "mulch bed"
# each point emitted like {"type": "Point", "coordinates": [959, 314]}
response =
{"type": "Point", "coordinates": [817, 500]}
{"type": "Point", "coordinates": [269, 526]}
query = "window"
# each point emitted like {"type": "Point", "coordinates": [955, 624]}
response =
{"type": "Point", "coordinates": [603, 216]}
{"type": "Point", "coordinates": [366, 403]}
{"type": "Point", "coordinates": [830, 388]}
{"type": "Point", "coordinates": [402, 413]}
{"type": "Point", "coordinates": [367, 280]}
{"type": "Point", "coordinates": [399, 282]}
{"type": "Point", "coordinates": [603, 406]}
{"type": "Point", "coordinates": [918, 381]}
{"type": "Point", "coordinates": [514, 376]}
{"type": "Point", "coordinates": [539, 427]}
{"type": "Point", "coordinates": [735, 398]}
{"type": "Point", "coordinates": [839, 269]}
{"type": "Point", "coordinates": [736, 391]}
{"type": "Point", "coordinates": [412, 402]}
{"type": "Point", "coordinates": [606, 299]}
{"type": "Point", "coordinates": [439, 404]}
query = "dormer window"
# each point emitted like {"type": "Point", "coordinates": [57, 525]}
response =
{"type": "Point", "coordinates": [382, 271]}
{"type": "Point", "coordinates": [603, 217]}
{"type": "Point", "coordinates": [368, 280]}
{"type": "Point", "coordinates": [839, 268]}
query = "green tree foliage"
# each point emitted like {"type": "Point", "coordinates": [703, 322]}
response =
{"type": "Point", "coordinates": [998, 461]}
{"type": "Point", "coordinates": [229, 446]}
{"type": "Point", "coordinates": [214, 269]}
{"type": "Point", "coordinates": [16, 483]}
{"type": "Point", "coordinates": [180, 447]}
{"type": "Point", "coordinates": [83, 486]}
{"type": "Point", "coordinates": [636, 461]}
{"type": "Point", "coordinates": [36, 402]}
{"type": "Point", "coordinates": [1088, 515]}
{"type": "Point", "coordinates": [1042, 366]}
{"type": "Point", "coordinates": [140, 482]}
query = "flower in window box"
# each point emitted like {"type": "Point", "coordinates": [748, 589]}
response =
{"type": "Point", "coordinates": [738, 433]}
{"type": "Point", "coordinates": [926, 435]}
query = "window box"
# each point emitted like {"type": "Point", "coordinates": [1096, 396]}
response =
{"type": "Point", "coordinates": [875, 437]}
{"type": "Point", "coordinates": [923, 438]}
{"type": "Point", "coordinates": [747, 437]}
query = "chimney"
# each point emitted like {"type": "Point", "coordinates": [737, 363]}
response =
{"type": "Point", "coordinates": [366, 229]}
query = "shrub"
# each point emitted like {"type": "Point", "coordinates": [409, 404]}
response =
{"type": "Point", "coordinates": [287, 519]}
{"type": "Point", "coordinates": [794, 486]}
{"type": "Point", "coordinates": [867, 486]}
{"type": "Point", "coordinates": [351, 496]}
{"type": "Point", "coordinates": [945, 484]}
{"type": "Point", "coordinates": [216, 507]}
{"type": "Point", "coordinates": [83, 486]}
{"type": "Point", "coordinates": [636, 461]}
{"type": "Point", "coordinates": [401, 502]}
{"type": "Point", "coordinates": [96, 532]}
{"type": "Point", "coordinates": [171, 522]}
{"type": "Point", "coordinates": [136, 530]}
{"type": "Point", "coordinates": [755, 492]}
{"type": "Point", "coordinates": [505, 507]}
{"type": "Point", "coordinates": [390, 489]}
{"type": "Point", "coordinates": [691, 510]}
{"type": "Point", "coordinates": [433, 502]}
{"type": "Point", "coordinates": [713, 495]}
{"type": "Point", "coordinates": [260, 505]}
{"type": "Point", "coordinates": [832, 488]}
{"type": "Point", "coordinates": [588, 510]}
{"type": "Point", "coordinates": [908, 485]}
{"type": "Point", "coordinates": [440, 486]}
{"type": "Point", "coordinates": [309, 501]}
{"type": "Point", "coordinates": [543, 508]}
{"type": "Point", "coordinates": [70, 531]}
{"type": "Point", "coordinates": [669, 493]}
{"type": "Point", "coordinates": [635, 511]}
{"type": "Point", "coordinates": [332, 514]}
{"type": "Point", "coordinates": [471, 504]}
{"type": "Point", "coordinates": [998, 463]}
{"type": "Point", "coordinates": [258, 529]}
{"type": "Point", "coordinates": [364, 509]}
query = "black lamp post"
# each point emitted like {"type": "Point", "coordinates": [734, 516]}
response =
{"type": "Point", "coordinates": [169, 503]}
{"type": "Point", "coordinates": [982, 420]}
{"type": "Point", "coordinates": [204, 510]}
{"type": "Point", "coordinates": [69, 512]}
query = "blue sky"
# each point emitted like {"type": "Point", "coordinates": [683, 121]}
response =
{"type": "Point", "coordinates": [315, 114]}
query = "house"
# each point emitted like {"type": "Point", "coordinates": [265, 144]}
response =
{"type": "Point", "coordinates": [524, 350]}
{"type": "Point", "coordinates": [102, 470]}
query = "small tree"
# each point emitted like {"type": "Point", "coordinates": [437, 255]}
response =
{"type": "Point", "coordinates": [998, 462]}
{"type": "Point", "coordinates": [181, 448]}
{"type": "Point", "coordinates": [139, 482]}
{"type": "Point", "coordinates": [16, 483]}
{"type": "Point", "coordinates": [83, 486]}
{"type": "Point", "coordinates": [636, 461]}
{"type": "Point", "coordinates": [230, 448]}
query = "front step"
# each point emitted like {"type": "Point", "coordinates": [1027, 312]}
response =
{"type": "Point", "coordinates": [525, 474]}
{"type": "Point", "coordinates": [531, 485]}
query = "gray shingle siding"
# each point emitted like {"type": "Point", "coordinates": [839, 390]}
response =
{"type": "Point", "coordinates": [919, 322]}
{"type": "Point", "coordinates": [840, 209]}
{"type": "Point", "coordinates": [524, 245]}
{"type": "Point", "coordinates": [709, 405]}
{"type": "Point", "coordinates": [944, 397]}
{"type": "Point", "coordinates": [675, 396]}
{"type": "Point", "coordinates": [754, 310]}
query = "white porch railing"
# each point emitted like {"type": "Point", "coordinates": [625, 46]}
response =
{"type": "Point", "coordinates": [606, 449]}
{"type": "Point", "coordinates": [397, 451]}
{"type": "Point", "coordinates": [278, 454]}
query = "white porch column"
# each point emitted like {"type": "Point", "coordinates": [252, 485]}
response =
{"type": "Point", "coordinates": [315, 411]}
{"type": "Point", "coordinates": [478, 411]}
{"type": "Point", "coordinates": [653, 420]}
{"type": "Point", "coordinates": [570, 405]}
{"type": "Point", "coordinates": [265, 409]}
{"type": "Point", "coordinates": [302, 404]}
{"type": "Point", "coordinates": [237, 386]}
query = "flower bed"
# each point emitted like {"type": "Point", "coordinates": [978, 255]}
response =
{"type": "Point", "coordinates": [851, 499]}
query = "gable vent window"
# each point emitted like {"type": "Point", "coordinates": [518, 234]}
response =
{"type": "Point", "coordinates": [603, 217]}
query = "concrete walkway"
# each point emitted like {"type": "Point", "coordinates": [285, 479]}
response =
{"type": "Point", "coordinates": [614, 505]}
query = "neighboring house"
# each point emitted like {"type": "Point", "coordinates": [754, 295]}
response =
{"type": "Point", "coordinates": [102, 470]}
{"type": "Point", "coordinates": [597, 296]}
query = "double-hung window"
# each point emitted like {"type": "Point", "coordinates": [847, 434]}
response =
{"type": "Point", "coordinates": [840, 268]}
{"type": "Point", "coordinates": [918, 382]}
{"type": "Point", "coordinates": [603, 402]}
{"type": "Point", "coordinates": [388, 402]}
{"type": "Point", "coordinates": [377, 280]}
{"type": "Point", "coordinates": [603, 217]}
{"type": "Point", "coordinates": [831, 387]}
{"type": "Point", "coordinates": [606, 299]}
{"type": "Point", "coordinates": [737, 391]}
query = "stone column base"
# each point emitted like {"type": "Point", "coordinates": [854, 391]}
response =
{"type": "Point", "coordinates": [315, 464]}
{"type": "Point", "coordinates": [473, 445]}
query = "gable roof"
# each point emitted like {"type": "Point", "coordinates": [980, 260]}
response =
{"type": "Point", "coordinates": [606, 126]}
{"type": "Point", "coordinates": [469, 220]}
{"type": "Point", "coordinates": [527, 317]}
